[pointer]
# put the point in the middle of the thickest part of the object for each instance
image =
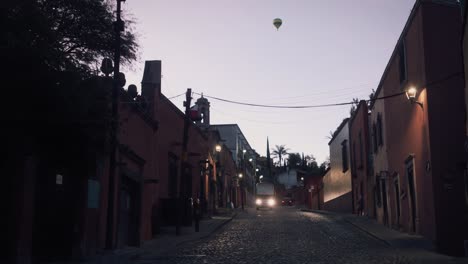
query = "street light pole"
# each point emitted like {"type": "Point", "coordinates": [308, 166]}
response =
{"type": "Point", "coordinates": [244, 171]}
{"type": "Point", "coordinates": [241, 190]}
{"type": "Point", "coordinates": [181, 197]}
{"type": "Point", "coordinates": [118, 27]}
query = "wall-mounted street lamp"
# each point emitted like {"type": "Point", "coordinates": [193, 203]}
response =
{"type": "Point", "coordinates": [302, 178]}
{"type": "Point", "coordinates": [240, 175]}
{"type": "Point", "coordinates": [218, 148]}
{"type": "Point", "coordinates": [256, 169]}
{"type": "Point", "coordinates": [244, 151]}
{"type": "Point", "coordinates": [250, 159]}
{"type": "Point", "coordinates": [261, 176]}
{"type": "Point", "coordinates": [411, 93]}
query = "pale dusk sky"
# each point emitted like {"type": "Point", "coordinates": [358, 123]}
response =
{"type": "Point", "coordinates": [325, 52]}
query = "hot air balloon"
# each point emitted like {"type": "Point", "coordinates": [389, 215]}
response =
{"type": "Point", "coordinates": [277, 22]}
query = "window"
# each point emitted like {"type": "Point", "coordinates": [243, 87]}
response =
{"type": "Point", "coordinates": [378, 198]}
{"type": "Point", "coordinates": [409, 164]}
{"type": "Point", "coordinates": [374, 137]}
{"type": "Point", "coordinates": [172, 174]}
{"type": "Point", "coordinates": [396, 185]}
{"type": "Point", "coordinates": [466, 187]}
{"type": "Point", "coordinates": [344, 155]}
{"type": "Point", "coordinates": [402, 63]}
{"type": "Point", "coordinates": [361, 155]}
{"type": "Point", "coordinates": [353, 158]}
{"type": "Point", "coordinates": [379, 130]}
{"type": "Point", "coordinates": [462, 5]}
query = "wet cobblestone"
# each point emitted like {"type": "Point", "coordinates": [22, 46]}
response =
{"type": "Point", "coordinates": [286, 235]}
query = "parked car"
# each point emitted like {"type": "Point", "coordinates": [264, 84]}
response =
{"type": "Point", "coordinates": [287, 201]}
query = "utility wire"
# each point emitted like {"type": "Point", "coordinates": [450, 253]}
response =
{"type": "Point", "coordinates": [322, 105]}
{"type": "Point", "coordinates": [175, 96]}
{"type": "Point", "coordinates": [294, 106]}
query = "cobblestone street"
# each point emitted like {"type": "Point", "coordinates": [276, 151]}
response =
{"type": "Point", "coordinates": [286, 235]}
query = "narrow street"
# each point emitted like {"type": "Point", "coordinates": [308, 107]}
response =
{"type": "Point", "coordinates": [287, 235]}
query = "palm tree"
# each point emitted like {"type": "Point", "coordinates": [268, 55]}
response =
{"type": "Point", "coordinates": [280, 151]}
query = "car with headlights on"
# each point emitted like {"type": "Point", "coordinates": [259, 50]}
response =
{"type": "Point", "coordinates": [287, 201]}
{"type": "Point", "coordinates": [265, 195]}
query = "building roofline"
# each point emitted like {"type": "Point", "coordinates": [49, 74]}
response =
{"type": "Point", "coordinates": [411, 16]}
{"type": "Point", "coordinates": [338, 130]}
{"type": "Point", "coordinates": [464, 18]}
{"type": "Point", "coordinates": [239, 130]}
{"type": "Point", "coordinates": [351, 119]}
{"type": "Point", "coordinates": [182, 114]}
{"type": "Point", "coordinates": [215, 125]}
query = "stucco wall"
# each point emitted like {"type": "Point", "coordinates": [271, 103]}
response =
{"type": "Point", "coordinates": [442, 34]}
{"type": "Point", "coordinates": [360, 168]}
{"type": "Point", "coordinates": [140, 137]}
{"type": "Point", "coordinates": [229, 134]}
{"type": "Point", "coordinates": [336, 182]}
{"type": "Point", "coordinates": [465, 60]}
{"type": "Point", "coordinates": [429, 135]}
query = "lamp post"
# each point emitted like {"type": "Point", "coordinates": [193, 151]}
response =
{"type": "Point", "coordinates": [217, 186]}
{"type": "Point", "coordinates": [303, 190]}
{"type": "Point", "coordinates": [311, 191]}
{"type": "Point", "coordinates": [118, 27]}
{"type": "Point", "coordinates": [241, 185]}
{"type": "Point", "coordinates": [244, 171]}
{"type": "Point", "coordinates": [180, 206]}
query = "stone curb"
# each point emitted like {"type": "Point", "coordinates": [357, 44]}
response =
{"type": "Point", "coordinates": [349, 222]}
{"type": "Point", "coordinates": [188, 239]}
{"type": "Point", "coordinates": [368, 232]}
{"type": "Point", "coordinates": [210, 233]}
{"type": "Point", "coordinates": [125, 256]}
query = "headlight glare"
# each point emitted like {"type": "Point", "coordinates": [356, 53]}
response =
{"type": "Point", "coordinates": [258, 202]}
{"type": "Point", "coordinates": [271, 202]}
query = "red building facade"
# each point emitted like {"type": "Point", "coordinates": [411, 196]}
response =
{"type": "Point", "coordinates": [313, 191]}
{"type": "Point", "coordinates": [61, 199]}
{"type": "Point", "coordinates": [422, 189]}
{"type": "Point", "coordinates": [361, 164]}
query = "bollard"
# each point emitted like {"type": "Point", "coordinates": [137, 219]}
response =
{"type": "Point", "coordinates": [466, 248]}
{"type": "Point", "coordinates": [197, 214]}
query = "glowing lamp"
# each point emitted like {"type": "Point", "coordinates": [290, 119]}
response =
{"type": "Point", "coordinates": [411, 93]}
{"type": "Point", "coordinates": [218, 148]}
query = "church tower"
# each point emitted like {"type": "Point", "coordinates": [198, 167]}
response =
{"type": "Point", "coordinates": [203, 106]}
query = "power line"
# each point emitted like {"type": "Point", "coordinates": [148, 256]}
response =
{"type": "Point", "coordinates": [175, 96]}
{"type": "Point", "coordinates": [322, 105]}
{"type": "Point", "coordinates": [321, 97]}
{"type": "Point", "coordinates": [348, 90]}
{"type": "Point", "coordinates": [294, 106]}
{"type": "Point", "coordinates": [253, 120]}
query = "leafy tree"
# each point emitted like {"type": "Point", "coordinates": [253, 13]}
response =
{"type": "Point", "coordinates": [371, 96]}
{"type": "Point", "coordinates": [354, 106]}
{"type": "Point", "coordinates": [325, 165]}
{"type": "Point", "coordinates": [49, 50]}
{"type": "Point", "coordinates": [65, 35]}
{"type": "Point", "coordinates": [279, 152]}
{"type": "Point", "coordinates": [294, 160]}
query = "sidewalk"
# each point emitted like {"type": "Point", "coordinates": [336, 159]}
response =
{"type": "Point", "coordinates": [163, 243]}
{"type": "Point", "coordinates": [385, 234]}
{"type": "Point", "coordinates": [415, 245]}
{"type": "Point", "coordinates": [167, 240]}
